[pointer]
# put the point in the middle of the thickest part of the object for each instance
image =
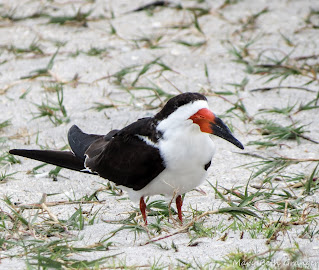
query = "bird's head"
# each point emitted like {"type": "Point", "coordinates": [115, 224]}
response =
{"type": "Point", "coordinates": [193, 106]}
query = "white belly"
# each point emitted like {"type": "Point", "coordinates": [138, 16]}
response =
{"type": "Point", "coordinates": [185, 156]}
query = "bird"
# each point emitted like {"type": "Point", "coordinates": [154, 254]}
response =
{"type": "Point", "coordinates": [167, 154]}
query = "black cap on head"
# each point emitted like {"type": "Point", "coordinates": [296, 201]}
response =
{"type": "Point", "coordinates": [174, 103]}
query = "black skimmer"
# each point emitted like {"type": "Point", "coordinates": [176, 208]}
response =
{"type": "Point", "coordinates": [166, 154]}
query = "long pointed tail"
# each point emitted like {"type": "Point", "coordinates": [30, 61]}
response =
{"type": "Point", "coordinates": [65, 159]}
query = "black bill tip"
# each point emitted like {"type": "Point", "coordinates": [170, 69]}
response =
{"type": "Point", "coordinates": [221, 130]}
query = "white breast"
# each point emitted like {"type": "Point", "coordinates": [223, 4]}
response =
{"type": "Point", "coordinates": [185, 152]}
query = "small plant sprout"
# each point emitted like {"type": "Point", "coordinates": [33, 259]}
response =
{"type": "Point", "coordinates": [54, 110]}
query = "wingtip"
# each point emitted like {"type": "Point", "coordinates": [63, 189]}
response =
{"type": "Point", "coordinates": [13, 151]}
{"type": "Point", "coordinates": [20, 152]}
{"type": "Point", "coordinates": [74, 127]}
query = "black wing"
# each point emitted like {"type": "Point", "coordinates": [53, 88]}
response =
{"type": "Point", "coordinates": [126, 159]}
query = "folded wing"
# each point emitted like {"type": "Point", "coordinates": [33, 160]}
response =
{"type": "Point", "coordinates": [126, 159]}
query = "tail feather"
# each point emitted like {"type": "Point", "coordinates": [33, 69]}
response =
{"type": "Point", "coordinates": [64, 159]}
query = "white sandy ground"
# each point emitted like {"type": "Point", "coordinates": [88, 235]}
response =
{"type": "Point", "coordinates": [284, 17]}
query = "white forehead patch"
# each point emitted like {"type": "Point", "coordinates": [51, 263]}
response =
{"type": "Point", "coordinates": [181, 114]}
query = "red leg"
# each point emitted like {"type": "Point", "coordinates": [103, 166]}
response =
{"type": "Point", "coordinates": [142, 208]}
{"type": "Point", "coordinates": [179, 203]}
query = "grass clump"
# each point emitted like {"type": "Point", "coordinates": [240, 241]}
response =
{"type": "Point", "coordinates": [54, 110]}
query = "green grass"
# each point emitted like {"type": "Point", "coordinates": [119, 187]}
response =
{"type": "Point", "coordinates": [42, 72]}
{"type": "Point", "coordinates": [151, 42]}
{"type": "Point", "coordinates": [133, 81]}
{"type": "Point", "coordinates": [191, 44]}
{"type": "Point", "coordinates": [250, 23]}
{"type": "Point", "coordinates": [98, 106]}
{"type": "Point", "coordinates": [80, 18]}
{"type": "Point", "coordinates": [32, 48]}
{"type": "Point", "coordinates": [275, 66]}
{"type": "Point", "coordinates": [47, 250]}
{"type": "Point", "coordinates": [310, 20]}
{"type": "Point", "coordinates": [6, 158]}
{"type": "Point", "coordinates": [4, 124]}
{"type": "Point", "coordinates": [273, 131]}
{"type": "Point", "coordinates": [93, 52]}
{"type": "Point", "coordinates": [54, 110]}
{"type": "Point", "coordinates": [4, 176]}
